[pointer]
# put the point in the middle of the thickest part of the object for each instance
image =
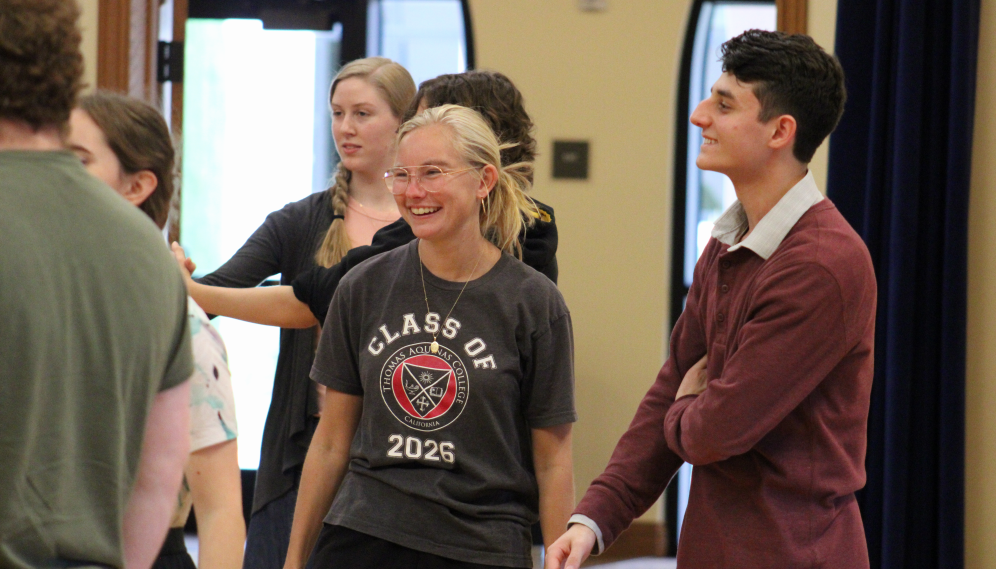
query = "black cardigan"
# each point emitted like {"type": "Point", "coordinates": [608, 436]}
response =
{"type": "Point", "coordinates": [285, 243]}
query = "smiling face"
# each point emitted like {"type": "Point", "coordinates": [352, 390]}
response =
{"type": "Point", "coordinates": [734, 140]}
{"type": "Point", "coordinates": [88, 142]}
{"type": "Point", "coordinates": [363, 127]}
{"type": "Point", "coordinates": [452, 212]}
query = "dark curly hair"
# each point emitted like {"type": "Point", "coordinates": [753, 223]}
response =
{"type": "Point", "coordinates": [495, 97]}
{"type": "Point", "coordinates": [140, 139]}
{"type": "Point", "coordinates": [791, 75]}
{"type": "Point", "coordinates": [41, 67]}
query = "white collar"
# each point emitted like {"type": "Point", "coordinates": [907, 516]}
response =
{"type": "Point", "coordinates": [774, 226]}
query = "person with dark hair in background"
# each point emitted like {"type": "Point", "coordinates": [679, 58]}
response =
{"type": "Point", "coordinates": [767, 387]}
{"type": "Point", "coordinates": [306, 301]}
{"type": "Point", "coordinates": [125, 143]}
{"type": "Point", "coordinates": [94, 338]}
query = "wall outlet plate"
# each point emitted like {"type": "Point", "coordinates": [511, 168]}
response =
{"type": "Point", "coordinates": [570, 159]}
{"type": "Point", "coordinates": [593, 5]}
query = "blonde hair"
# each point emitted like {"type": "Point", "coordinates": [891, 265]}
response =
{"type": "Point", "coordinates": [395, 84]}
{"type": "Point", "coordinates": [506, 210]}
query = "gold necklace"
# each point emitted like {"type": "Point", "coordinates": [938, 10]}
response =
{"type": "Point", "coordinates": [434, 346]}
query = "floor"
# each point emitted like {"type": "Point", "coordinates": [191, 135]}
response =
{"type": "Point", "coordinates": [641, 563]}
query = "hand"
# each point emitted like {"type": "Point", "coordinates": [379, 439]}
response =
{"type": "Point", "coordinates": [571, 549]}
{"type": "Point", "coordinates": [186, 265]}
{"type": "Point", "coordinates": [695, 380]}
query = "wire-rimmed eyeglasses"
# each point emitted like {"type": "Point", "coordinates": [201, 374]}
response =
{"type": "Point", "coordinates": [430, 178]}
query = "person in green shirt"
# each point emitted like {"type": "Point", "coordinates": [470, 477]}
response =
{"type": "Point", "coordinates": [94, 340]}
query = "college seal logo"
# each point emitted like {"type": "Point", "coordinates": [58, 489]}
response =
{"type": "Point", "coordinates": [423, 390]}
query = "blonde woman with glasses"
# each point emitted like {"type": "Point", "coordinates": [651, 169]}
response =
{"type": "Point", "coordinates": [449, 367]}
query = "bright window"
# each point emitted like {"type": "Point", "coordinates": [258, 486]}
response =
{"type": "Point", "coordinates": [257, 135]}
{"type": "Point", "coordinates": [426, 36]}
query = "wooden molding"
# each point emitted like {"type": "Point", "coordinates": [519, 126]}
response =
{"type": "Point", "coordinates": [126, 47]}
{"type": "Point", "coordinates": [113, 32]}
{"type": "Point", "coordinates": [640, 540]}
{"type": "Point", "coordinates": [180, 11]}
{"type": "Point", "coordinates": [792, 16]}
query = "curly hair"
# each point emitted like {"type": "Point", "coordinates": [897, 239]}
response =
{"type": "Point", "coordinates": [140, 139]}
{"type": "Point", "coordinates": [791, 75]}
{"type": "Point", "coordinates": [41, 66]}
{"type": "Point", "coordinates": [495, 97]}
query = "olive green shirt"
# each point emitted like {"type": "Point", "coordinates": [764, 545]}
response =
{"type": "Point", "coordinates": [93, 324]}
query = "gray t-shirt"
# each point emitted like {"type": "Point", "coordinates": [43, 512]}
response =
{"type": "Point", "coordinates": [442, 459]}
{"type": "Point", "coordinates": [93, 324]}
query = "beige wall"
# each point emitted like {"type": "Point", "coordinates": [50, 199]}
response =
{"type": "Point", "coordinates": [608, 78]}
{"type": "Point", "coordinates": [821, 24]}
{"type": "Point", "coordinates": [980, 441]}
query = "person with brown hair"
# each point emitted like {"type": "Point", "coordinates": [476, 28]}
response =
{"type": "Point", "coordinates": [449, 367]}
{"type": "Point", "coordinates": [94, 338]}
{"type": "Point", "coordinates": [137, 136]}
{"type": "Point", "coordinates": [497, 99]}
{"type": "Point", "coordinates": [367, 100]}
{"type": "Point", "coordinates": [768, 381]}
{"type": "Point", "coordinates": [125, 142]}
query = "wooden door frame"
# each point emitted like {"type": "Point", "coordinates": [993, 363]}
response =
{"type": "Point", "coordinates": [180, 9]}
{"type": "Point", "coordinates": [127, 34]}
{"type": "Point", "coordinates": [792, 16]}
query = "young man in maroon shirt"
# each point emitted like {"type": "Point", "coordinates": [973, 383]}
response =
{"type": "Point", "coordinates": [766, 390]}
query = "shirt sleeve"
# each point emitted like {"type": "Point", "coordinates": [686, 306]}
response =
{"type": "Point", "coordinates": [548, 389]}
{"type": "Point", "coordinates": [212, 400]}
{"type": "Point", "coordinates": [316, 287]}
{"type": "Point", "coordinates": [795, 337]}
{"type": "Point", "coordinates": [590, 524]}
{"type": "Point", "coordinates": [539, 242]}
{"type": "Point", "coordinates": [181, 360]}
{"type": "Point", "coordinates": [337, 359]}
{"type": "Point", "coordinates": [260, 256]}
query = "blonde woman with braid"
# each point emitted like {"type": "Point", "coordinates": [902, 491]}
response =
{"type": "Point", "coordinates": [367, 100]}
{"type": "Point", "coordinates": [449, 367]}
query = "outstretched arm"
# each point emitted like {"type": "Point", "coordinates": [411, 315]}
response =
{"type": "Point", "coordinates": [270, 305]}
{"type": "Point", "coordinates": [555, 477]}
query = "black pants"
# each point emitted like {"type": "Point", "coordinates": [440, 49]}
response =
{"type": "Point", "coordinates": [344, 548]}
{"type": "Point", "coordinates": [174, 554]}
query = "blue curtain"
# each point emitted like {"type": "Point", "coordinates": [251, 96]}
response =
{"type": "Point", "coordinates": [899, 172]}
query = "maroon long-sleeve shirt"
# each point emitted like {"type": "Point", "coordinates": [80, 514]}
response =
{"type": "Point", "coordinates": [778, 437]}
